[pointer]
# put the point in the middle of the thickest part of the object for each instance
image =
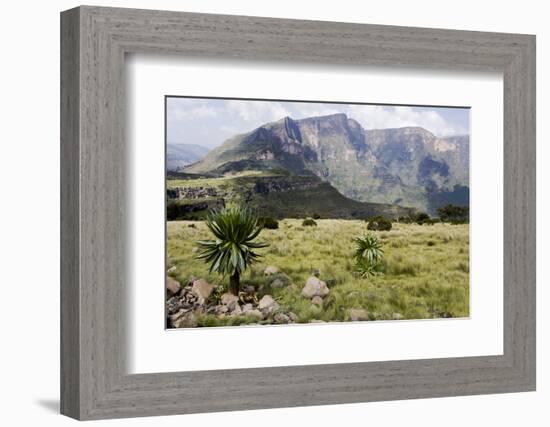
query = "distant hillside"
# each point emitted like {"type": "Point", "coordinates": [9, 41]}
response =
{"type": "Point", "coordinates": [180, 155]}
{"type": "Point", "coordinates": [406, 166]}
{"type": "Point", "coordinates": [279, 195]}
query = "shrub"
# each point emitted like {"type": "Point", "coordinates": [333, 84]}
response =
{"type": "Point", "coordinates": [316, 216]}
{"type": "Point", "coordinates": [269, 223]}
{"type": "Point", "coordinates": [454, 214]}
{"type": "Point", "coordinates": [379, 223]}
{"type": "Point", "coordinates": [368, 255]}
{"type": "Point", "coordinates": [308, 222]}
{"type": "Point", "coordinates": [422, 218]}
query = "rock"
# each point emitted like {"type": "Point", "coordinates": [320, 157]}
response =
{"type": "Point", "coordinates": [236, 311]}
{"type": "Point", "coordinates": [195, 250]}
{"type": "Point", "coordinates": [280, 281]}
{"type": "Point", "coordinates": [191, 280]}
{"type": "Point", "coordinates": [172, 286]}
{"type": "Point", "coordinates": [277, 283]}
{"type": "Point", "coordinates": [356, 314]}
{"type": "Point", "coordinates": [202, 289]}
{"type": "Point", "coordinates": [246, 308]}
{"type": "Point", "coordinates": [397, 316]}
{"type": "Point", "coordinates": [230, 300]}
{"type": "Point", "coordinates": [293, 316]}
{"type": "Point", "coordinates": [188, 320]}
{"type": "Point", "coordinates": [255, 313]}
{"type": "Point", "coordinates": [266, 302]}
{"type": "Point", "coordinates": [281, 318]}
{"type": "Point", "coordinates": [221, 309]}
{"type": "Point", "coordinates": [271, 270]}
{"type": "Point", "coordinates": [315, 287]}
{"type": "Point", "coordinates": [317, 300]}
{"type": "Point", "coordinates": [171, 269]}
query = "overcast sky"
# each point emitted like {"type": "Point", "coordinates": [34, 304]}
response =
{"type": "Point", "coordinates": [209, 122]}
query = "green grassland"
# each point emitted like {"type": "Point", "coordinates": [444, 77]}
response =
{"type": "Point", "coordinates": [278, 194]}
{"type": "Point", "coordinates": [425, 270]}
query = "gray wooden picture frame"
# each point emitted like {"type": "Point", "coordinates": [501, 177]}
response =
{"type": "Point", "coordinates": [94, 41]}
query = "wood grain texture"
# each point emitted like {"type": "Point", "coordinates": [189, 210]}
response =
{"type": "Point", "coordinates": [94, 235]}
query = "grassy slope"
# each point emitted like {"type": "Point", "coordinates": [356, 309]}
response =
{"type": "Point", "coordinates": [319, 198]}
{"type": "Point", "coordinates": [427, 268]}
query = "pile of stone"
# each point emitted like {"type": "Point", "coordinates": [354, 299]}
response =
{"type": "Point", "coordinates": [185, 303]}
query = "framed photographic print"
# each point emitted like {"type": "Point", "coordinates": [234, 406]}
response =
{"type": "Point", "coordinates": [346, 212]}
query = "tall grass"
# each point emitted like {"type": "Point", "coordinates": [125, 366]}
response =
{"type": "Point", "coordinates": [418, 280]}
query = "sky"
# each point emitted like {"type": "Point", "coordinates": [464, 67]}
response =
{"type": "Point", "coordinates": [209, 122]}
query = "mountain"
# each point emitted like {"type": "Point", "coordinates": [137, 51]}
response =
{"type": "Point", "coordinates": [407, 166]}
{"type": "Point", "coordinates": [180, 155]}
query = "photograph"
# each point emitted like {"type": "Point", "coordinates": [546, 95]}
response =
{"type": "Point", "coordinates": [299, 212]}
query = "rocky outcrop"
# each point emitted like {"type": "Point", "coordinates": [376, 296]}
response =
{"type": "Point", "coordinates": [192, 193]}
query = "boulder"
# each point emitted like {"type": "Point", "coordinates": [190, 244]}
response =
{"type": "Point", "coordinates": [271, 270]}
{"type": "Point", "coordinates": [221, 309]}
{"type": "Point", "coordinates": [357, 314]}
{"type": "Point", "coordinates": [247, 308]}
{"type": "Point", "coordinates": [171, 269]}
{"type": "Point", "coordinates": [255, 313]}
{"type": "Point", "coordinates": [293, 316]}
{"type": "Point", "coordinates": [236, 311]}
{"type": "Point", "coordinates": [281, 280]}
{"type": "Point", "coordinates": [188, 320]}
{"type": "Point", "coordinates": [281, 318]}
{"type": "Point", "coordinates": [317, 300]}
{"type": "Point", "coordinates": [315, 287]}
{"type": "Point", "coordinates": [230, 300]}
{"type": "Point", "coordinates": [266, 302]}
{"type": "Point", "coordinates": [172, 285]}
{"type": "Point", "coordinates": [202, 289]}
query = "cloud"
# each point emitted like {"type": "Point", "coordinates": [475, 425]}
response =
{"type": "Point", "coordinates": [257, 111]}
{"type": "Point", "coordinates": [179, 112]}
{"type": "Point", "coordinates": [383, 117]}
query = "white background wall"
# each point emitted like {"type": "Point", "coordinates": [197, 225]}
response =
{"type": "Point", "coordinates": [29, 238]}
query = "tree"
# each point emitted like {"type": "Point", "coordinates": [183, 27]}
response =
{"type": "Point", "coordinates": [235, 229]}
{"type": "Point", "coordinates": [368, 255]}
{"type": "Point", "coordinates": [453, 213]}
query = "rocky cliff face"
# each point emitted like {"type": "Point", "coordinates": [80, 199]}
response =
{"type": "Point", "coordinates": [407, 166]}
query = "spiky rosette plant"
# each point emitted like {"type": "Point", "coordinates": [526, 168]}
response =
{"type": "Point", "coordinates": [235, 228]}
{"type": "Point", "coordinates": [368, 255]}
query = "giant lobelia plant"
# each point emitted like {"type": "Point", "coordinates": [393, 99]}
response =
{"type": "Point", "coordinates": [235, 229]}
{"type": "Point", "coordinates": [368, 255]}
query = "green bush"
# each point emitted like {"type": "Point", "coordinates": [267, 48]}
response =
{"type": "Point", "coordinates": [379, 223]}
{"type": "Point", "coordinates": [269, 223]}
{"type": "Point", "coordinates": [309, 222]}
{"type": "Point", "coordinates": [454, 214]}
{"type": "Point", "coordinates": [422, 218]}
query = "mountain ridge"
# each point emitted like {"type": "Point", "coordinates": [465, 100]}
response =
{"type": "Point", "coordinates": [408, 165]}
